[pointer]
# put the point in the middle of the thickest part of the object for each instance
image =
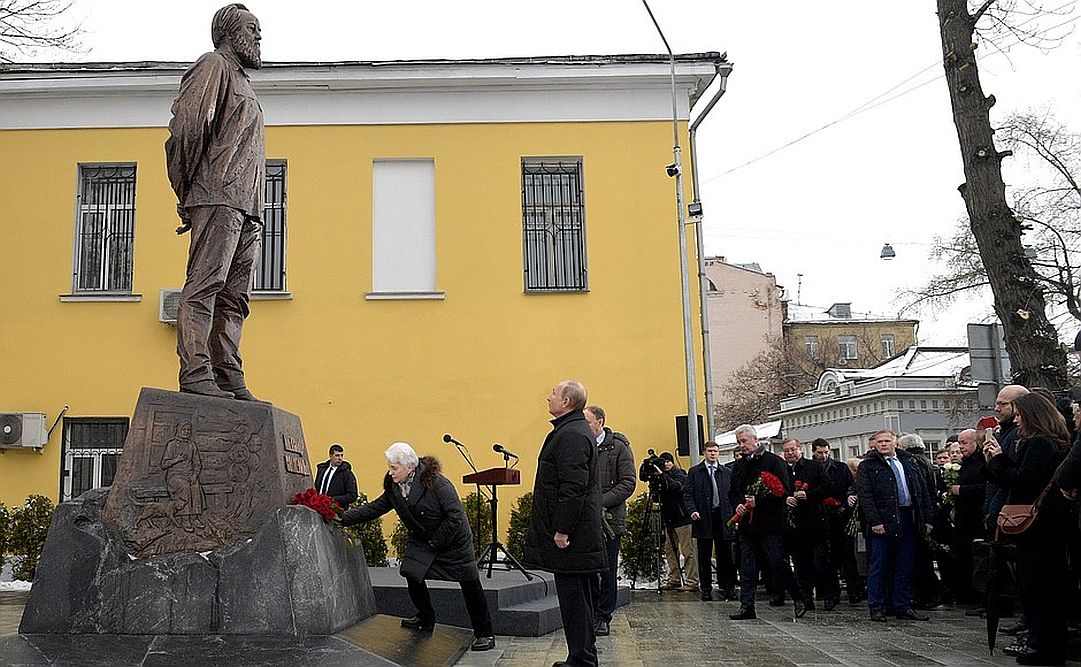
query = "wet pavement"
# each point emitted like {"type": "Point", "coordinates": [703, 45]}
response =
{"type": "Point", "coordinates": [679, 629]}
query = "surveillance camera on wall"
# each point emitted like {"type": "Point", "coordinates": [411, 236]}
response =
{"type": "Point", "coordinates": [672, 169]}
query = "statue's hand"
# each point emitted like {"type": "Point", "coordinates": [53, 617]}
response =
{"type": "Point", "coordinates": [185, 220]}
{"type": "Point", "coordinates": [183, 229]}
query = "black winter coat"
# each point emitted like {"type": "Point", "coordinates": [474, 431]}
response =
{"type": "Point", "coordinates": [1068, 474]}
{"type": "Point", "coordinates": [440, 542]}
{"type": "Point", "coordinates": [770, 513]}
{"type": "Point", "coordinates": [1024, 478]}
{"type": "Point", "coordinates": [996, 493]}
{"type": "Point", "coordinates": [968, 504]}
{"type": "Point", "coordinates": [675, 498]}
{"type": "Point", "coordinates": [343, 485]}
{"type": "Point", "coordinates": [876, 488]}
{"type": "Point", "coordinates": [567, 499]}
{"type": "Point", "coordinates": [701, 494]}
{"type": "Point", "coordinates": [808, 515]}
{"type": "Point", "coordinates": [615, 465]}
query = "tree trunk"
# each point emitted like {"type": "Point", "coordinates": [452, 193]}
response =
{"type": "Point", "coordinates": [1031, 341]}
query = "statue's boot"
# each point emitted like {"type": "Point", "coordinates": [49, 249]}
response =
{"type": "Point", "coordinates": [205, 388]}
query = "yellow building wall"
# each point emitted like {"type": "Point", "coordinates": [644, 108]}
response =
{"type": "Point", "coordinates": [478, 364]}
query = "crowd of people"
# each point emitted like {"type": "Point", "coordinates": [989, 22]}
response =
{"type": "Point", "coordinates": [929, 522]}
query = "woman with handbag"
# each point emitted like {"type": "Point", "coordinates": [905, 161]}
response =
{"type": "Point", "coordinates": [1034, 520]}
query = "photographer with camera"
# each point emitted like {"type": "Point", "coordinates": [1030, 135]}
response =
{"type": "Point", "coordinates": [668, 485]}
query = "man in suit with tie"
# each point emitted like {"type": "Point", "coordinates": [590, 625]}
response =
{"type": "Point", "coordinates": [709, 482]}
{"type": "Point", "coordinates": [334, 477]}
{"type": "Point", "coordinates": [896, 508]}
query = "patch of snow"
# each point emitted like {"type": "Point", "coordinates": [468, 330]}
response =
{"type": "Point", "coordinates": [15, 585]}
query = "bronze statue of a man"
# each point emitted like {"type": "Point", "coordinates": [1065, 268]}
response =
{"type": "Point", "coordinates": [216, 158]}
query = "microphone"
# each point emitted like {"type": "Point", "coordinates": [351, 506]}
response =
{"type": "Point", "coordinates": [503, 450]}
{"type": "Point", "coordinates": [447, 438]}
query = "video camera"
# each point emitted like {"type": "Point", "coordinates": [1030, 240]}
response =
{"type": "Point", "coordinates": [647, 472]}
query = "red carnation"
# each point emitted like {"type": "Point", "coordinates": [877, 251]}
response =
{"type": "Point", "coordinates": [773, 483]}
{"type": "Point", "coordinates": [325, 506]}
{"type": "Point", "coordinates": [831, 502]}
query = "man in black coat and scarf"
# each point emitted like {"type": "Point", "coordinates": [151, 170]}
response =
{"type": "Point", "coordinates": [968, 496]}
{"type": "Point", "coordinates": [808, 536]}
{"type": "Point", "coordinates": [440, 542]}
{"type": "Point", "coordinates": [762, 524]}
{"type": "Point", "coordinates": [842, 547]}
{"type": "Point", "coordinates": [334, 477]}
{"type": "Point", "coordinates": [710, 510]}
{"type": "Point", "coordinates": [1006, 434]}
{"type": "Point", "coordinates": [615, 466]}
{"type": "Point", "coordinates": [564, 535]}
{"type": "Point", "coordinates": [897, 509]}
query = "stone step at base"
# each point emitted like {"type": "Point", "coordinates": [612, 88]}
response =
{"type": "Point", "coordinates": [519, 608]}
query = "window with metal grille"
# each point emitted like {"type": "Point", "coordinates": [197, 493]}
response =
{"type": "Point", "coordinates": [269, 271]}
{"type": "Point", "coordinates": [105, 229]}
{"type": "Point", "coordinates": [92, 449]}
{"type": "Point", "coordinates": [553, 225]}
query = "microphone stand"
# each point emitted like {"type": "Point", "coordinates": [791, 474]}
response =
{"type": "Point", "coordinates": [465, 455]}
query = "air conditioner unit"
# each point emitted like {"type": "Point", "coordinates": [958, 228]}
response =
{"type": "Point", "coordinates": [168, 302]}
{"type": "Point", "coordinates": [23, 429]}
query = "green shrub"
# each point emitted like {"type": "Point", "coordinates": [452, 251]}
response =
{"type": "Point", "coordinates": [370, 536]}
{"type": "Point", "coordinates": [27, 529]}
{"type": "Point", "coordinates": [519, 523]}
{"type": "Point", "coordinates": [399, 539]}
{"type": "Point", "coordinates": [640, 558]}
{"type": "Point", "coordinates": [482, 525]}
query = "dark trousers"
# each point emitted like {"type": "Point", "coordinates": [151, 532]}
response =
{"type": "Point", "coordinates": [214, 301]}
{"type": "Point", "coordinates": [576, 610]}
{"type": "Point", "coordinates": [603, 585]}
{"type": "Point", "coordinates": [810, 556]}
{"type": "Point", "coordinates": [769, 549]}
{"type": "Point", "coordinates": [964, 592]}
{"type": "Point", "coordinates": [475, 603]}
{"type": "Point", "coordinates": [926, 588]}
{"type": "Point", "coordinates": [722, 549]}
{"type": "Point", "coordinates": [892, 560]}
{"type": "Point", "coordinates": [1041, 574]}
{"type": "Point", "coordinates": [842, 548]}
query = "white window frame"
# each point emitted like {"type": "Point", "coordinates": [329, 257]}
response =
{"type": "Point", "coordinates": [847, 347]}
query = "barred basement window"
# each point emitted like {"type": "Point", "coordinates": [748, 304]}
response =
{"type": "Point", "coordinates": [553, 225]}
{"type": "Point", "coordinates": [269, 271]}
{"type": "Point", "coordinates": [92, 449]}
{"type": "Point", "coordinates": [105, 228]}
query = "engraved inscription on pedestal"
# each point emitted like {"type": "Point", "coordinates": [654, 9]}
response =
{"type": "Point", "coordinates": [198, 473]}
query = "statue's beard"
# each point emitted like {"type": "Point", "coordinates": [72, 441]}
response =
{"type": "Point", "coordinates": [247, 50]}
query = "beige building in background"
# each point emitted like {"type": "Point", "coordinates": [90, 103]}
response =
{"type": "Point", "coordinates": [745, 311]}
{"type": "Point", "coordinates": [838, 337]}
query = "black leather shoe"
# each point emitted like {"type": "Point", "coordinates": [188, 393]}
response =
{"type": "Point", "coordinates": [801, 608]}
{"type": "Point", "coordinates": [744, 613]}
{"type": "Point", "coordinates": [913, 615]}
{"type": "Point", "coordinates": [1030, 656]}
{"type": "Point", "coordinates": [1016, 648]}
{"type": "Point", "coordinates": [706, 597]}
{"type": "Point", "coordinates": [776, 602]}
{"type": "Point", "coordinates": [878, 617]}
{"type": "Point", "coordinates": [483, 644]}
{"type": "Point", "coordinates": [417, 623]}
{"type": "Point", "coordinates": [602, 629]}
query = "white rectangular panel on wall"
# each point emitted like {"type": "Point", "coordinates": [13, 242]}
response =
{"type": "Point", "coordinates": [403, 225]}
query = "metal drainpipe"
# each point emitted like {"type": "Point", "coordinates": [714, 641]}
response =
{"type": "Point", "coordinates": [702, 280]}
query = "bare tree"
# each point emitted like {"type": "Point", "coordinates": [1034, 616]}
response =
{"type": "Point", "coordinates": [1049, 208]}
{"type": "Point", "coordinates": [1019, 303]}
{"type": "Point", "coordinates": [28, 26]}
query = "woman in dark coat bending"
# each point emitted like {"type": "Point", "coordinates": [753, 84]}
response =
{"type": "Point", "coordinates": [440, 542]}
{"type": "Point", "coordinates": [1041, 550]}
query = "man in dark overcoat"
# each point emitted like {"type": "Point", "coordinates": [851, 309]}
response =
{"type": "Point", "coordinates": [842, 547]}
{"type": "Point", "coordinates": [440, 542]}
{"type": "Point", "coordinates": [968, 494]}
{"type": "Point", "coordinates": [615, 468]}
{"type": "Point", "coordinates": [334, 477]}
{"type": "Point", "coordinates": [564, 535]}
{"type": "Point", "coordinates": [807, 537]}
{"type": "Point", "coordinates": [762, 524]}
{"type": "Point", "coordinates": [896, 508]}
{"type": "Point", "coordinates": [711, 508]}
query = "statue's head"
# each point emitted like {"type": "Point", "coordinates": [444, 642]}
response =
{"type": "Point", "coordinates": [235, 28]}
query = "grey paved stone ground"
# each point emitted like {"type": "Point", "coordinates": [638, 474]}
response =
{"type": "Point", "coordinates": [678, 629]}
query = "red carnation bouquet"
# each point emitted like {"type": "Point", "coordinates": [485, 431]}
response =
{"type": "Point", "coordinates": [831, 502]}
{"type": "Point", "coordinates": [766, 485]}
{"type": "Point", "coordinates": [324, 505]}
{"type": "Point", "coordinates": [800, 486]}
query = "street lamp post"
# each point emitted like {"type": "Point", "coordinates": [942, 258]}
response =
{"type": "Point", "coordinates": [676, 170]}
